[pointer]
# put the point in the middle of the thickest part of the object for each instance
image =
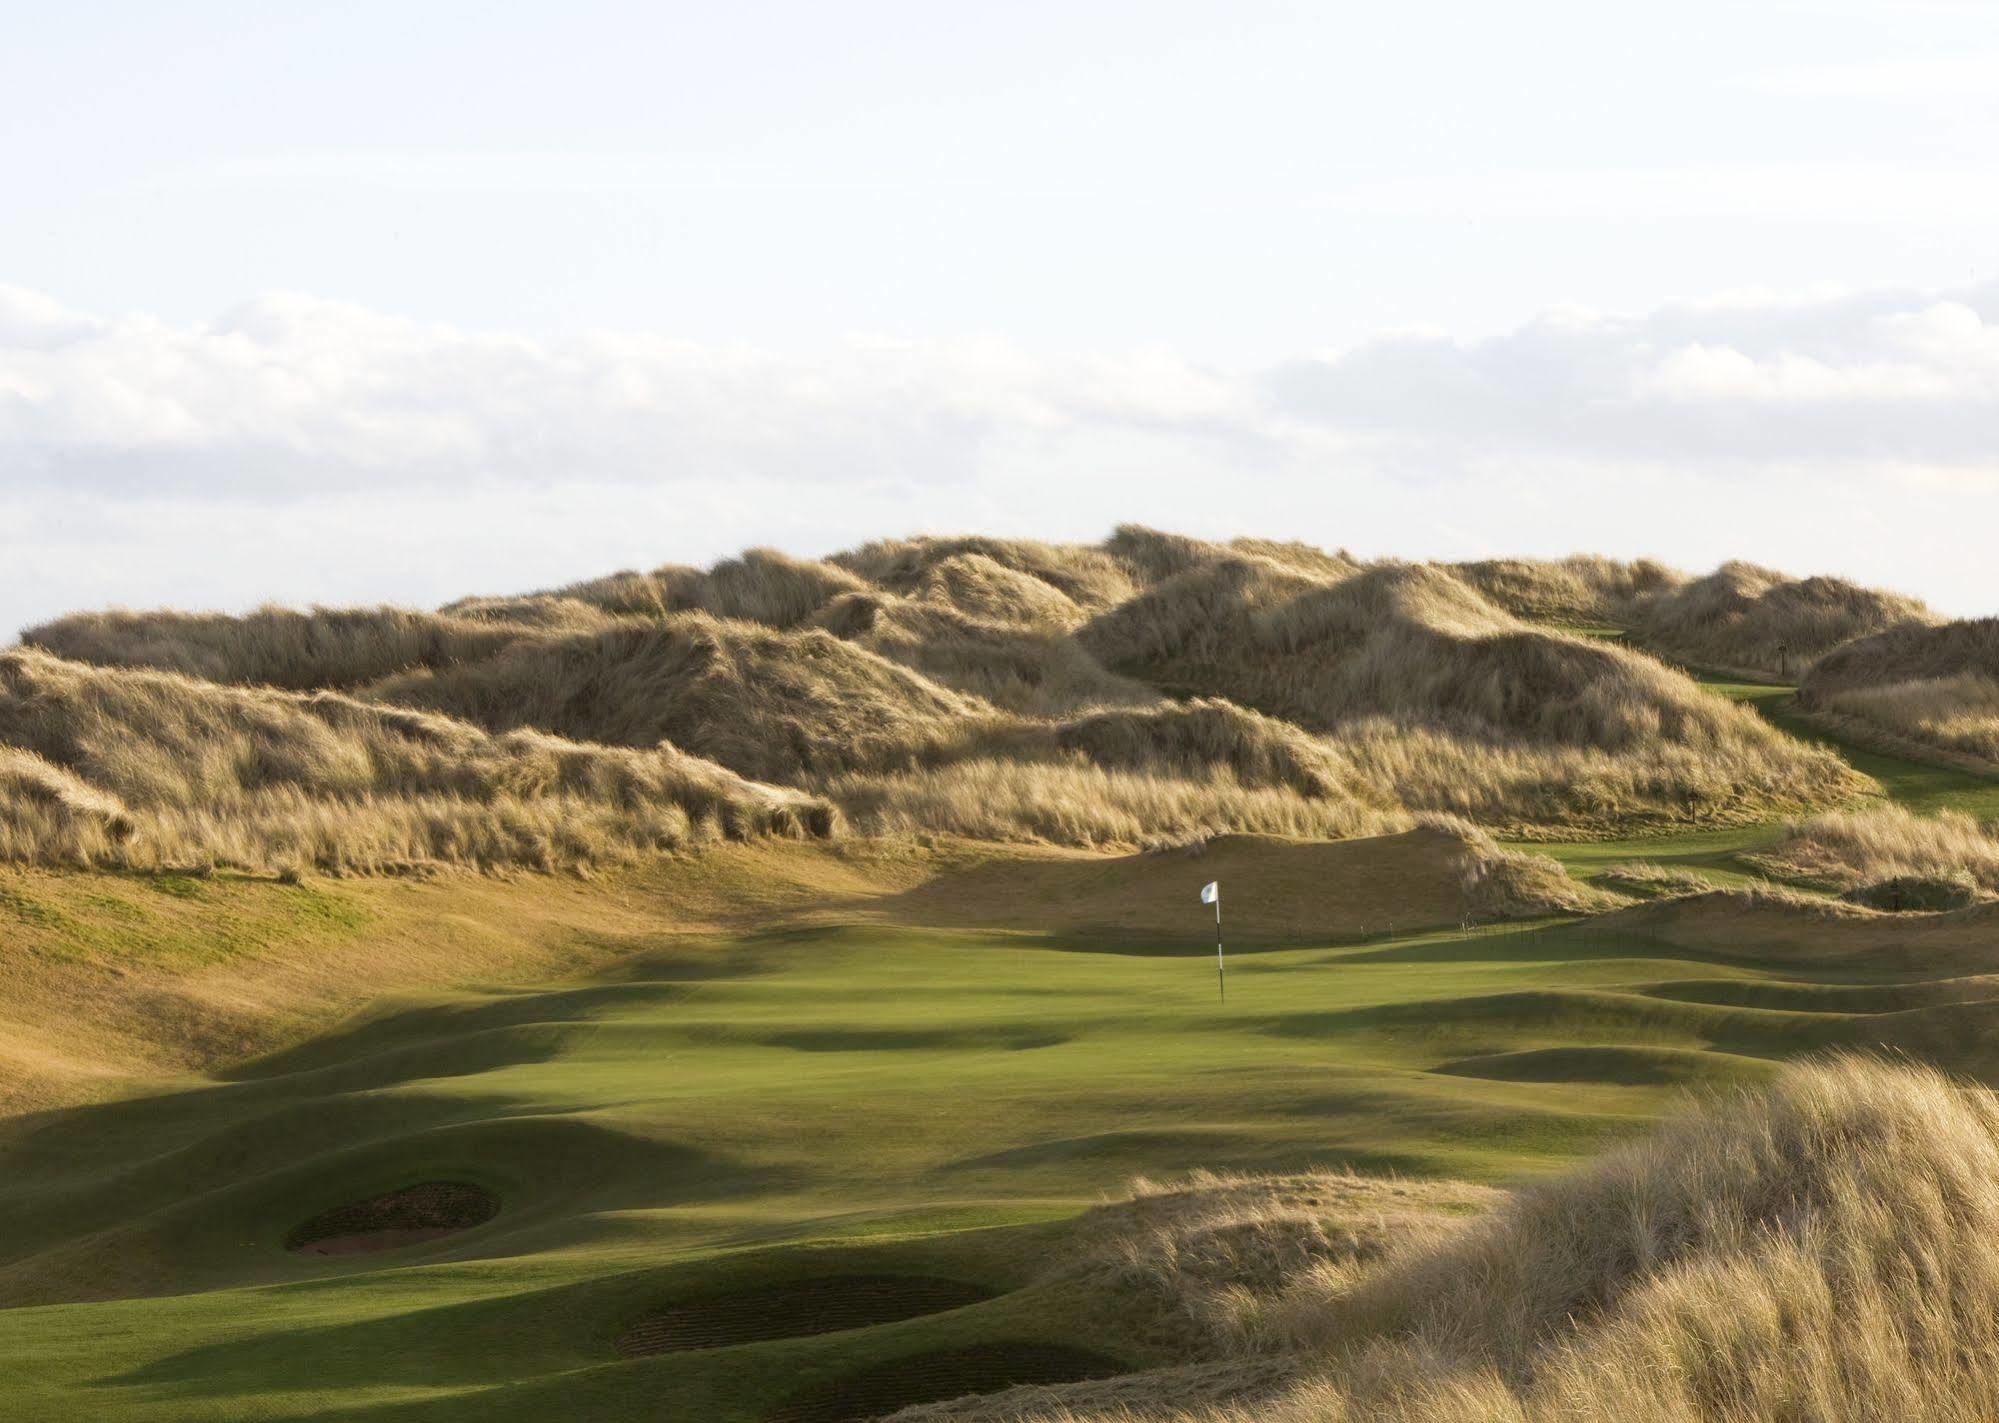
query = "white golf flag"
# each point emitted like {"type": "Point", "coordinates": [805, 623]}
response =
{"type": "Point", "coordinates": [1211, 891]}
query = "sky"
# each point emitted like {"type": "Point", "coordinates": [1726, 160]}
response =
{"type": "Point", "coordinates": [367, 302]}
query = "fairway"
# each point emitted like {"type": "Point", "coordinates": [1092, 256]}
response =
{"type": "Point", "coordinates": [734, 1119]}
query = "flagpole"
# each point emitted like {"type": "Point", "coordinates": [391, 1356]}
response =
{"type": "Point", "coordinates": [1221, 972]}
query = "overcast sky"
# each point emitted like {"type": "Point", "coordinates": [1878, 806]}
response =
{"type": "Point", "coordinates": [362, 302]}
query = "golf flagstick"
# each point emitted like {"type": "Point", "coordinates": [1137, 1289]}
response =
{"type": "Point", "coordinates": [1211, 893]}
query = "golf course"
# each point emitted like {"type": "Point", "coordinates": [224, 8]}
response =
{"type": "Point", "coordinates": [878, 1078]}
{"type": "Point", "coordinates": [775, 1116]}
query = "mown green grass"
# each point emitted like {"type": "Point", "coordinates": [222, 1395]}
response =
{"type": "Point", "coordinates": [804, 1103]}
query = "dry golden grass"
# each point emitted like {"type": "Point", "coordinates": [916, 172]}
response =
{"type": "Point", "coordinates": [1581, 589]}
{"type": "Point", "coordinates": [336, 648]}
{"type": "Point", "coordinates": [997, 688]}
{"type": "Point", "coordinates": [1207, 1256]}
{"type": "Point", "coordinates": [763, 586]}
{"type": "Point", "coordinates": [1823, 1250]}
{"type": "Point", "coordinates": [769, 704]}
{"type": "Point", "coordinates": [1757, 622]}
{"type": "Point", "coordinates": [1091, 577]}
{"type": "Point", "coordinates": [1454, 705]}
{"type": "Point", "coordinates": [1853, 849]}
{"type": "Point", "coordinates": [1933, 691]}
{"type": "Point", "coordinates": [1034, 670]}
{"type": "Point", "coordinates": [149, 769]}
{"type": "Point", "coordinates": [1652, 881]}
{"type": "Point", "coordinates": [1081, 804]}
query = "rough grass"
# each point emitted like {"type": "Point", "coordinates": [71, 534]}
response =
{"type": "Point", "coordinates": [1750, 620]}
{"type": "Point", "coordinates": [770, 704]}
{"type": "Point", "coordinates": [1850, 850]}
{"type": "Point", "coordinates": [1933, 690]}
{"type": "Point", "coordinates": [1456, 705]}
{"type": "Point", "coordinates": [1146, 689]}
{"type": "Point", "coordinates": [150, 770]}
{"type": "Point", "coordinates": [1582, 589]}
{"type": "Point", "coordinates": [1078, 804]}
{"type": "Point", "coordinates": [1823, 1249]}
{"type": "Point", "coordinates": [301, 651]}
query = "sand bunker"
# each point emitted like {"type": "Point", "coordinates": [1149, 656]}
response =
{"type": "Point", "coordinates": [947, 1373]}
{"type": "Point", "coordinates": [394, 1219]}
{"type": "Point", "coordinates": [818, 1306]}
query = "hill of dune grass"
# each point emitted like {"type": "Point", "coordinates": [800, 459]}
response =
{"type": "Point", "coordinates": [1936, 861]}
{"type": "Point", "coordinates": [1755, 621]}
{"type": "Point", "coordinates": [1932, 691]}
{"type": "Point", "coordinates": [770, 704]}
{"type": "Point", "coordinates": [1821, 1248]}
{"type": "Point", "coordinates": [1580, 590]}
{"type": "Point", "coordinates": [1148, 689]}
{"type": "Point", "coordinates": [116, 768]}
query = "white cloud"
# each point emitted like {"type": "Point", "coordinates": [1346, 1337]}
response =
{"type": "Point", "coordinates": [1927, 78]}
{"type": "Point", "coordinates": [1800, 192]}
{"type": "Point", "coordinates": [304, 449]}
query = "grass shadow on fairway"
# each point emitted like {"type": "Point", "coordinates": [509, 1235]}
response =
{"type": "Point", "coordinates": [543, 1341]}
{"type": "Point", "coordinates": [442, 1025]}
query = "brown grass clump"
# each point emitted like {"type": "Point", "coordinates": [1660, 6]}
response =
{"type": "Point", "coordinates": [1850, 850]}
{"type": "Point", "coordinates": [1504, 884]}
{"type": "Point", "coordinates": [1757, 622]}
{"type": "Point", "coordinates": [1205, 1257]}
{"type": "Point", "coordinates": [1826, 1248]}
{"type": "Point", "coordinates": [48, 815]}
{"type": "Point", "coordinates": [149, 769]}
{"type": "Point", "coordinates": [1653, 881]}
{"type": "Point", "coordinates": [1933, 691]}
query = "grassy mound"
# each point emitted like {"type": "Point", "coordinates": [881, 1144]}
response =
{"type": "Point", "coordinates": [338, 648]}
{"type": "Point", "coordinates": [1134, 692]}
{"type": "Point", "coordinates": [1035, 670]}
{"type": "Point", "coordinates": [768, 704]}
{"type": "Point", "coordinates": [1092, 578]}
{"type": "Point", "coordinates": [1756, 621]}
{"type": "Point", "coordinates": [1579, 590]}
{"type": "Point", "coordinates": [1929, 690]}
{"type": "Point", "coordinates": [1829, 1238]}
{"type": "Point", "coordinates": [1850, 850]}
{"type": "Point", "coordinates": [1446, 703]}
{"type": "Point", "coordinates": [151, 770]}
